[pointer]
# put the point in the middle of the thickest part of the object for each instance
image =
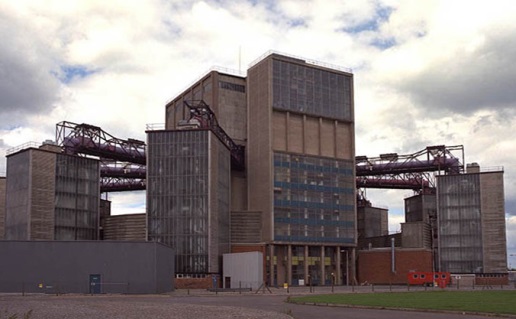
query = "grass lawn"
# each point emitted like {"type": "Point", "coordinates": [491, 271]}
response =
{"type": "Point", "coordinates": [499, 302]}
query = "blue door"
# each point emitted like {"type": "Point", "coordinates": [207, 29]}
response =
{"type": "Point", "coordinates": [95, 284]}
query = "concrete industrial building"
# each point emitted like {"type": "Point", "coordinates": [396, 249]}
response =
{"type": "Point", "coordinates": [471, 221]}
{"type": "Point", "coordinates": [263, 162]}
{"type": "Point", "coordinates": [295, 119]}
{"type": "Point", "coordinates": [2, 207]}
{"type": "Point", "coordinates": [460, 229]}
{"type": "Point", "coordinates": [50, 195]}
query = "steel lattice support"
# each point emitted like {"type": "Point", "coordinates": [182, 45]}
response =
{"type": "Point", "coordinates": [411, 171]}
{"type": "Point", "coordinates": [92, 140]}
{"type": "Point", "coordinates": [200, 112]}
{"type": "Point", "coordinates": [122, 162]}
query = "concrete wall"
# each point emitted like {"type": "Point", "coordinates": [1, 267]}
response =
{"type": "Point", "coordinates": [226, 96]}
{"type": "Point", "coordinates": [311, 135]}
{"type": "Point", "coordinates": [259, 144]}
{"type": "Point", "coordinates": [416, 235]}
{"type": "Point", "coordinates": [374, 266]}
{"type": "Point", "coordinates": [2, 207]}
{"type": "Point", "coordinates": [492, 205]}
{"type": "Point", "coordinates": [219, 240]}
{"type": "Point", "coordinates": [243, 270]}
{"type": "Point", "coordinates": [66, 266]}
{"type": "Point", "coordinates": [421, 208]}
{"type": "Point", "coordinates": [372, 222]}
{"type": "Point", "coordinates": [125, 227]}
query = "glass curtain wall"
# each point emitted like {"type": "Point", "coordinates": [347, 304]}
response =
{"type": "Point", "coordinates": [460, 228]}
{"type": "Point", "coordinates": [177, 195]}
{"type": "Point", "coordinates": [77, 198]}
{"type": "Point", "coordinates": [310, 90]}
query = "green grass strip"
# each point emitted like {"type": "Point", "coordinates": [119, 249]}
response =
{"type": "Point", "coordinates": [497, 302]}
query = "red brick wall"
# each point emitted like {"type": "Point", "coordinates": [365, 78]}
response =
{"type": "Point", "coordinates": [374, 266]}
{"type": "Point", "coordinates": [492, 279]}
{"type": "Point", "coordinates": [194, 283]}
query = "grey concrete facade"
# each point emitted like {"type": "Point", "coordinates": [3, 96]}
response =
{"type": "Point", "coordinates": [372, 221]}
{"type": "Point", "coordinates": [226, 96]}
{"type": "Point", "coordinates": [51, 196]}
{"type": "Point", "coordinates": [2, 207]}
{"type": "Point", "coordinates": [66, 266]}
{"type": "Point", "coordinates": [301, 176]}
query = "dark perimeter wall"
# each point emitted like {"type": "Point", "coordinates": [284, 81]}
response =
{"type": "Point", "coordinates": [66, 266]}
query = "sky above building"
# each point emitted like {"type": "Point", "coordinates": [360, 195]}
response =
{"type": "Point", "coordinates": [426, 72]}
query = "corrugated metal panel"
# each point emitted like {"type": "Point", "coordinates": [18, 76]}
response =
{"type": "Point", "coordinates": [245, 270]}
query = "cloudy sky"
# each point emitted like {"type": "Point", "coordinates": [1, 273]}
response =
{"type": "Point", "coordinates": [426, 72]}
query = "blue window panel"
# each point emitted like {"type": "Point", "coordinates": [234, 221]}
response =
{"type": "Point", "coordinates": [313, 222]}
{"type": "Point", "coordinates": [335, 240]}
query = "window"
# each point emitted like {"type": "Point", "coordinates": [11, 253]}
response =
{"type": "Point", "coordinates": [232, 86]}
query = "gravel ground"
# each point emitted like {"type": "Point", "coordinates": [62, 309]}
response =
{"type": "Point", "coordinates": [119, 306]}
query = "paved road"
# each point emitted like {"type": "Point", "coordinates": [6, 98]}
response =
{"type": "Point", "coordinates": [276, 303]}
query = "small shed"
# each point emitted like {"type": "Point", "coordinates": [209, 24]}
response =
{"type": "Point", "coordinates": [243, 270]}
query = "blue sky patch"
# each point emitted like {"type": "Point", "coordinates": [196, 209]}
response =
{"type": "Point", "coordinates": [383, 43]}
{"type": "Point", "coordinates": [297, 23]}
{"type": "Point", "coordinates": [373, 24]}
{"type": "Point", "coordinates": [73, 72]}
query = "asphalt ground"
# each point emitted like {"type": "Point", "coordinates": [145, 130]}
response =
{"type": "Point", "coordinates": [204, 304]}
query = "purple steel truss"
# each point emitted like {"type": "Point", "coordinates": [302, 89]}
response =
{"type": "Point", "coordinates": [122, 162]}
{"type": "Point", "coordinates": [92, 140]}
{"type": "Point", "coordinates": [412, 171]}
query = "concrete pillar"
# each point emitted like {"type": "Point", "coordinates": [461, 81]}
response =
{"type": "Point", "coordinates": [338, 270]}
{"type": "Point", "coordinates": [281, 265]}
{"type": "Point", "coordinates": [353, 268]}
{"type": "Point", "coordinates": [323, 270]}
{"type": "Point", "coordinates": [271, 265]}
{"type": "Point", "coordinates": [289, 265]}
{"type": "Point", "coordinates": [306, 265]}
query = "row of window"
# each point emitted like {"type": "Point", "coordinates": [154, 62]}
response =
{"type": "Point", "coordinates": [232, 86]}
